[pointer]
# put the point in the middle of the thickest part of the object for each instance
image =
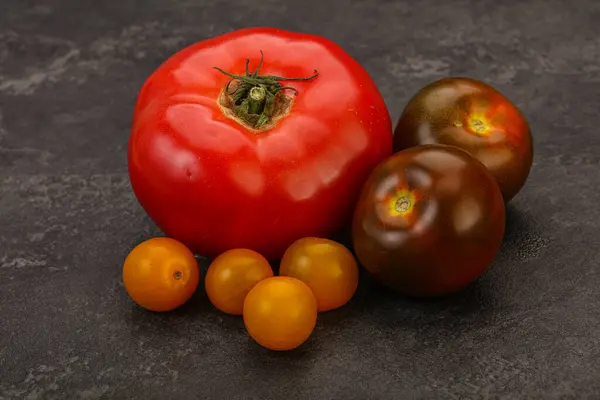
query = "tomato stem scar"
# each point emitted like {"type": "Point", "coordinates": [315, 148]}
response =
{"type": "Point", "coordinates": [403, 204]}
{"type": "Point", "coordinates": [257, 100]}
{"type": "Point", "coordinates": [257, 93]}
{"type": "Point", "coordinates": [477, 125]}
{"type": "Point", "coordinates": [177, 275]}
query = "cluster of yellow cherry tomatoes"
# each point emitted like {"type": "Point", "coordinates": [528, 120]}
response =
{"type": "Point", "coordinates": [279, 312]}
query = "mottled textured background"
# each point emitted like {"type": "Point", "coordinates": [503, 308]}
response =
{"type": "Point", "coordinates": [69, 74]}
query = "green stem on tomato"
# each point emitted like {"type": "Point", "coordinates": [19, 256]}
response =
{"type": "Point", "coordinates": [254, 100]}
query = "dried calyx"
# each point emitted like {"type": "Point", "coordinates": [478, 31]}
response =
{"type": "Point", "coordinates": [254, 100]}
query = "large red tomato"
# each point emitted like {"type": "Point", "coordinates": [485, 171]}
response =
{"type": "Point", "coordinates": [228, 153]}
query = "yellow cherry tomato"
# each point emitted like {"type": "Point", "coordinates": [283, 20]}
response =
{"type": "Point", "coordinates": [231, 276]}
{"type": "Point", "coordinates": [160, 274]}
{"type": "Point", "coordinates": [327, 267]}
{"type": "Point", "coordinates": [280, 313]}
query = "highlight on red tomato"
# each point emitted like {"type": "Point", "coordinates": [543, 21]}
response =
{"type": "Point", "coordinates": [254, 139]}
{"type": "Point", "coordinates": [232, 275]}
{"type": "Point", "coordinates": [474, 116]}
{"type": "Point", "coordinates": [327, 267]}
{"type": "Point", "coordinates": [280, 313]}
{"type": "Point", "coordinates": [430, 221]}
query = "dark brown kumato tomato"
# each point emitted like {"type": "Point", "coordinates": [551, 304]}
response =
{"type": "Point", "coordinates": [429, 221]}
{"type": "Point", "coordinates": [474, 116]}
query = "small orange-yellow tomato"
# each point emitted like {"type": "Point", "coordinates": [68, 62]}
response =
{"type": "Point", "coordinates": [231, 276]}
{"type": "Point", "coordinates": [160, 274]}
{"type": "Point", "coordinates": [327, 267]}
{"type": "Point", "coordinates": [280, 313]}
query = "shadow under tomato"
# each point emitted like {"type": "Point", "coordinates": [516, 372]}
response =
{"type": "Point", "coordinates": [344, 237]}
{"type": "Point", "coordinates": [476, 306]}
{"type": "Point", "coordinates": [265, 356]}
{"type": "Point", "coordinates": [267, 366]}
{"type": "Point", "coordinates": [388, 310]}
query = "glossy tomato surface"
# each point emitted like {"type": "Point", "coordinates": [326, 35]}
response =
{"type": "Point", "coordinates": [280, 313]}
{"type": "Point", "coordinates": [327, 267]}
{"type": "Point", "coordinates": [216, 183]}
{"type": "Point", "coordinates": [160, 274]}
{"type": "Point", "coordinates": [476, 117]}
{"type": "Point", "coordinates": [430, 220]}
{"type": "Point", "coordinates": [232, 275]}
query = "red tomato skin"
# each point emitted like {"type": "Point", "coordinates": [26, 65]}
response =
{"type": "Point", "coordinates": [214, 184]}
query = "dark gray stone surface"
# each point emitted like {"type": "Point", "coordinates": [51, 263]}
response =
{"type": "Point", "coordinates": [69, 74]}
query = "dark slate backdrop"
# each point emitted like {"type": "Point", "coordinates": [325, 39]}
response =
{"type": "Point", "coordinates": [69, 74]}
